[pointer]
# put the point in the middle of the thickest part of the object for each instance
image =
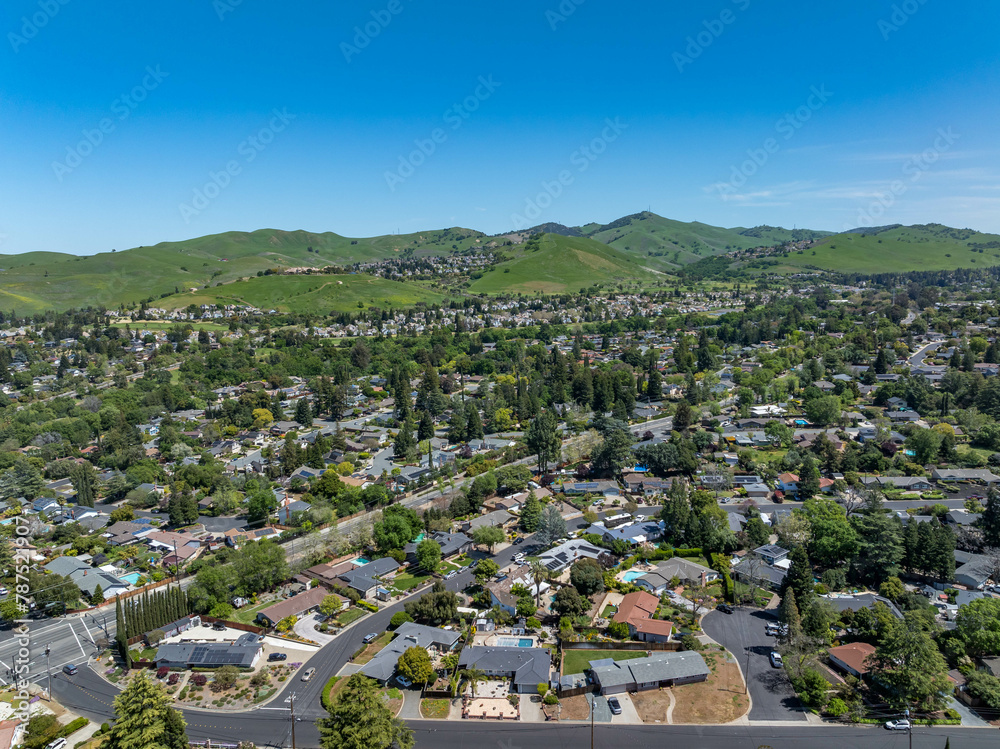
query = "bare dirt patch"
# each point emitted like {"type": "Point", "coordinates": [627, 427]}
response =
{"type": "Point", "coordinates": [574, 708]}
{"type": "Point", "coordinates": [719, 699]}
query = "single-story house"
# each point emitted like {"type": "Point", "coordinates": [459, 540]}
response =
{"type": "Point", "coordinates": [661, 669]}
{"type": "Point", "coordinates": [451, 545]}
{"type": "Point", "coordinates": [974, 475]}
{"type": "Point", "coordinates": [242, 653]}
{"type": "Point", "coordinates": [498, 518]}
{"type": "Point", "coordinates": [852, 658]}
{"type": "Point", "coordinates": [562, 556]}
{"type": "Point", "coordinates": [906, 483]}
{"type": "Point", "coordinates": [689, 573]}
{"type": "Point", "coordinates": [407, 636]}
{"type": "Point", "coordinates": [638, 611]}
{"type": "Point", "coordinates": [860, 601]}
{"type": "Point", "coordinates": [298, 605]}
{"type": "Point", "coordinates": [525, 667]}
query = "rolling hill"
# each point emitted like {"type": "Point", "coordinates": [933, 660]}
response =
{"type": "Point", "coordinates": [553, 263]}
{"type": "Point", "coordinates": [38, 281]}
{"type": "Point", "coordinates": [676, 243]}
{"type": "Point", "coordinates": [309, 294]}
{"type": "Point", "coordinates": [900, 248]}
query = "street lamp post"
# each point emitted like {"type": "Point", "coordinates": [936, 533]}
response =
{"type": "Point", "coordinates": [48, 671]}
{"type": "Point", "coordinates": [909, 726]}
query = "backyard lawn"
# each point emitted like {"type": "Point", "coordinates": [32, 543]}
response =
{"type": "Point", "coordinates": [576, 661]}
{"type": "Point", "coordinates": [248, 614]}
{"type": "Point", "coordinates": [373, 648]}
{"type": "Point", "coordinates": [407, 581]}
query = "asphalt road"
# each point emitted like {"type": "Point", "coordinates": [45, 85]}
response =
{"type": "Point", "coordinates": [742, 633]}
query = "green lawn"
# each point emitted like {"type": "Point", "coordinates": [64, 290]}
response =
{"type": "Point", "coordinates": [438, 709]}
{"type": "Point", "coordinates": [408, 581]}
{"type": "Point", "coordinates": [351, 615]}
{"type": "Point", "coordinates": [248, 614]}
{"type": "Point", "coordinates": [576, 661]}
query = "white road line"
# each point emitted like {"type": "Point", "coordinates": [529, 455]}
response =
{"type": "Point", "coordinates": [87, 629]}
{"type": "Point", "coordinates": [82, 651]}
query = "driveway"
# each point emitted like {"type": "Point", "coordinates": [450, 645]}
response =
{"type": "Point", "coordinates": [306, 628]}
{"type": "Point", "coordinates": [742, 634]}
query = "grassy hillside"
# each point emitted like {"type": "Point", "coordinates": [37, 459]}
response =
{"type": "Point", "coordinates": [309, 294]}
{"type": "Point", "coordinates": [904, 248]}
{"type": "Point", "coordinates": [554, 263]}
{"type": "Point", "coordinates": [36, 281]}
{"type": "Point", "coordinates": [676, 243]}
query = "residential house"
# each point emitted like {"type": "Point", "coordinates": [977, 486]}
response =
{"type": "Point", "coordinates": [525, 667]}
{"type": "Point", "coordinates": [638, 611]}
{"type": "Point", "coordinates": [852, 658]}
{"type": "Point", "coordinates": [297, 605]}
{"type": "Point", "coordinates": [562, 556]}
{"type": "Point", "coordinates": [688, 573]}
{"type": "Point", "coordinates": [408, 635]}
{"type": "Point", "coordinates": [242, 653]}
{"type": "Point", "coordinates": [659, 669]}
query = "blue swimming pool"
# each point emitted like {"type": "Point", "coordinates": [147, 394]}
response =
{"type": "Point", "coordinates": [131, 578]}
{"type": "Point", "coordinates": [514, 642]}
{"type": "Point", "coordinates": [632, 575]}
{"type": "Point", "coordinates": [361, 561]}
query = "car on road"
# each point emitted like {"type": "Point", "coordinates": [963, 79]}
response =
{"type": "Point", "coordinates": [518, 541]}
{"type": "Point", "coordinates": [774, 629]}
{"type": "Point", "coordinates": [3, 591]}
{"type": "Point", "coordinates": [898, 725]}
{"type": "Point", "coordinates": [615, 705]}
{"type": "Point", "coordinates": [775, 658]}
{"type": "Point", "coordinates": [450, 575]}
{"type": "Point", "coordinates": [370, 637]}
{"type": "Point", "coordinates": [725, 608]}
{"type": "Point", "coordinates": [277, 657]}
{"type": "Point", "coordinates": [70, 670]}
{"type": "Point", "coordinates": [308, 674]}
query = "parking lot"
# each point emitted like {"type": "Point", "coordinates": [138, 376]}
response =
{"type": "Point", "coordinates": [742, 634]}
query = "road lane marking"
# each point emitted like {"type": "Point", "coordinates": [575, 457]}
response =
{"type": "Point", "coordinates": [82, 651]}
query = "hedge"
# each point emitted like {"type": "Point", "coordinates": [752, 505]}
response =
{"type": "Point", "coordinates": [72, 727]}
{"type": "Point", "coordinates": [728, 589]}
{"type": "Point", "coordinates": [325, 697]}
{"type": "Point", "coordinates": [368, 605]}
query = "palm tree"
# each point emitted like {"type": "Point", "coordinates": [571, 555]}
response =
{"type": "Point", "coordinates": [539, 573]}
{"type": "Point", "coordinates": [474, 676]}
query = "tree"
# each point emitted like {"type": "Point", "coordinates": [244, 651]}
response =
{"type": "Point", "coordinates": [85, 482]}
{"type": "Point", "coordinates": [543, 439]}
{"type": "Point", "coordinates": [488, 536]}
{"type": "Point", "coordinates": [757, 533]}
{"type": "Point", "coordinates": [21, 480]}
{"type": "Point", "coordinates": [880, 547]}
{"type": "Point", "coordinates": [833, 538]}
{"type": "Point", "coordinates": [800, 577]}
{"type": "Point", "coordinates": [435, 607]}
{"type": "Point", "coordinates": [587, 576]}
{"type": "Point", "coordinates": [551, 526]}
{"type": "Point", "coordinates": [989, 521]}
{"type": "Point", "coordinates": [808, 483]}
{"type": "Point", "coordinates": [531, 513]}
{"type": "Point", "coordinates": [485, 570]}
{"type": "Point", "coordinates": [925, 444]}
{"type": "Point", "coordinates": [780, 435]}
{"type": "Point", "coordinates": [225, 677]}
{"type": "Point", "coordinates": [908, 664]}
{"type": "Point", "coordinates": [823, 410]}
{"type": "Point", "coordinates": [415, 664]}
{"type": "Point", "coordinates": [425, 428]}
{"type": "Point", "coordinates": [791, 618]}
{"type": "Point", "coordinates": [142, 715]}
{"type": "Point", "coordinates": [613, 454]}
{"type": "Point", "coordinates": [978, 626]}
{"type": "Point", "coordinates": [404, 446]}
{"type": "Point", "coordinates": [330, 605]}
{"type": "Point", "coordinates": [429, 554]}
{"type": "Point", "coordinates": [360, 719]}
{"type": "Point", "coordinates": [539, 574]}
{"type": "Point", "coordinates": [569, 602]}
{"type": "Point", "coordinates": [303, 413]}
{"type": "Point", "coordinates": [683, 416]}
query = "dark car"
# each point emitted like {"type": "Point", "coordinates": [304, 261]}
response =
{"type": "Point", "coordinates": [615, 705]}
{"type": "Point", "coordinates": [277, 657]}
{"type": "Point", "coordinates": [219, 626]}
{"type": "Point", "coordinates": [518, 541]}
{"type": "Point", "coordinates": [70, 669]}
{"type": "Point", "coordinates": [725, 608]}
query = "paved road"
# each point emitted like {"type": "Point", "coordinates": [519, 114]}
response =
{"type": "Point", "coordinates": [742, 633]}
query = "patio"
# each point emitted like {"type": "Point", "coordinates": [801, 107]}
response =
{"type": "Point", "coordinates": [489, 709]}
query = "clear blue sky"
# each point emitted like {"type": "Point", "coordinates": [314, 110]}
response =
{"type": "Point", "coordinates": [696, 89]}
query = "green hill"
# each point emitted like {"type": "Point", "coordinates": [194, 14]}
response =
{"type": "Point", "coordinates": [900, 248]}
{"type": "Point", "coordinates": [676, 243]}
{"type": "Point", "coordinates": [552, 263]}
{"type": "Point", "coordinates": [39, 281]}
{"type": "Point", "coordinates": [318, 294]}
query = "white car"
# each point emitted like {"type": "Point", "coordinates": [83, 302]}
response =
{"type": "Point", "coordinates": [775, 658]}
{"type": "Point", "coordinates": [898, 725]}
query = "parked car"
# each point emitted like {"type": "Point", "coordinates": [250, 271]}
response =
{"type": "Point", "coordinates": [70, 670]}
{"type": "Point", "coordinates": [308, 674]}
{"type": "Point", "coordinates": [725, 608]}
{"type": "Point", "coordinates": [3, 591]}
{"type": "Point", "coordinates": [370, 637]}
{"type": "Point", "coordinates": [518, 541]}
{"type": "Point", "coordinates": [59, 743]}
{"type": "Point", "coordinates": [898, 725]}
{"type": "Point", "coordinates": [404, 682]}
{"type": "Point", "coordinates": [219, 626]}
{"type": "Point", "coordinates": [615, 705]}
{"type": "Point", "coordinates": [775, 658]}
{"type": "Point", "coordinates": [277, 657]}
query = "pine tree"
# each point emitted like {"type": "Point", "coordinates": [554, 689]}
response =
{"type": "Point", "coordinates": [473, 424]}
{"type": "Point", "coordinates": [800, 577]}
{"type": "Point", "coordinates": [360, 719]}
{"type": "Point", "coordinates": [989, 521]}
{"type": "Point", "coordinates": [425, 429]}
{"type": "Point", "coordinates": [142, 713]}
{"type": "Point", "coordinates": [792, 618]}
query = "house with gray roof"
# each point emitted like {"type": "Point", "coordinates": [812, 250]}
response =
{"type": "Point", "coordinates": [661, 669]}
{"type": "Point", "coordinates": [562, 556]}
{"type": "Point", "coordinates": [367, 578]}
{"type": "Point", "coordinates": [498, 518]}
{"type": "Point", "coordinates": [408, 635]}
{"type": "Point", "coordinates": [242, 653]}
{"type": "Point", "coordinates": [860, 601]}
{"type": "Point", "coordinates": [972, 570]}
{"type": "Point", "coordinates": [974, 475]}
{"type": "Point", "coordinates": [525, 667]}
{"type": "Point", "coordinates": [689, 573]}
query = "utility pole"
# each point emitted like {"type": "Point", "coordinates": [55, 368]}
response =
{"type": "Point", "coordinates": [293, 720]}
{"type": "Point", "coordinates": [593, 702]}
{"type": "Point", "coordinates": [909, 726]}
{"type": "Point", "coordinates": [48, 671]}
{"type": "Point", "coordinates": [746, 675]}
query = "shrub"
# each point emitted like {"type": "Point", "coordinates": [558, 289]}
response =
{"type": "Point", "coordinates": [836, 708]}
{"type": "Point", "coordinates": [551, 699]}
{"type": "Point", "coordinates": [399, 618]}
{"type": "Point", "coordinates": [162, 672]}
{"type": "Point", "coordinates": [690, 642]}
{"type": "Point", "coordinates": [199, 680]}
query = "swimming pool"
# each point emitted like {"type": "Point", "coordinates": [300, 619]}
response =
{"type": "Point", "coordinates": [361, 561]}
{"type": "Point", "coordinates": [632, 575]}
{"type": "Point", "coordinates": [131, 578]}
{"type": "Point", "coordinates": [514, 642]}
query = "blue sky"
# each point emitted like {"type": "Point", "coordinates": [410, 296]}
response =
{"type": "Point", "coordinates": [125, 124]}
